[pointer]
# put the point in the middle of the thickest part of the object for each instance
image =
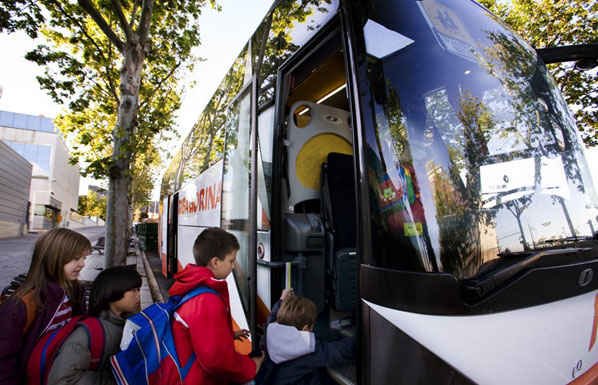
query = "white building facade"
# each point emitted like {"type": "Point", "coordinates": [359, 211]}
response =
{"type": "Point", "coordinates": [55, 182]}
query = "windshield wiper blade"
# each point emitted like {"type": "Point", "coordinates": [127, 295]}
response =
{"type": "Point", "coordinates": [484, 285]}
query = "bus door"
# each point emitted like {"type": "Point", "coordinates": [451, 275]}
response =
{"type": "Point", "coordinates": [163, 235]}
{"type": "Point", "coordinates": [238, 207]}
{"type": "Point", "coordinates": [172, 227]}
{"type": "Point", "coordinates": [315, 216]}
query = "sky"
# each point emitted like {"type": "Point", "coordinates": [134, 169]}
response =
{"type": "Point", "coordinates": [223, 35]}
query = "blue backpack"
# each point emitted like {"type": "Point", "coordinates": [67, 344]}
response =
{"type": "Point", "coordinates": [147, 341]}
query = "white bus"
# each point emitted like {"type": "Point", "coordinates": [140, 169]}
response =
{"type": "Point", "coordinates": [412, 168]}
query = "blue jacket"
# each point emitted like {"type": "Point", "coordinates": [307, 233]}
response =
{"type": "Point", "coordinates": [300, 357]}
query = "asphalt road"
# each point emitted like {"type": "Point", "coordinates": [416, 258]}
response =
{"type": "Point", "coordinates": [15, 253]}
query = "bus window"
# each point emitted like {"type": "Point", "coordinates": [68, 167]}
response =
{"type": "Point", "coordinates": [265, 125]}
{"type": "Point", "coordinates": [235, 185]}
{"type": "Point", "coordinates": [203, 147]}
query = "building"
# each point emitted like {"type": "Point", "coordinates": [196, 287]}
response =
{"type": "Point", "coordinates": [100, 192]}
{"type": "Point", "coordinates": [55, 182]}
{"type": "Point", "coordinates": [15, 183]}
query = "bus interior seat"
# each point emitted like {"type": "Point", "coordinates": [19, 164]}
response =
{"type": "Point", "coordinates": [308, 145]}
{"type": "Point", "coordinates": [339, 219]}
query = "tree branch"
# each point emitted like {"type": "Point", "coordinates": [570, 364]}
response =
{"type": "Point", "coordinates": [133, 13]}
{"type": "Point", "coordinates": [97, 17]}
{"type": "Point", "coordinates": [147, 8]}
{"type": "Point", "coordinates": [112, 86]}
{"type": "Point", "coordinates": [83, 30]}
{"type": "Point", "coordinates": [160, 84]}
{"type": "Point", "coordinates": [122, 19]}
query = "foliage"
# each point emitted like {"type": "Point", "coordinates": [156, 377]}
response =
{"type": "Point", "coordinates": [546, 23]}
{"type": "Point", "coordinates": [82, 69]}
{"type": "Point", "coordinates": [144, 175]}
{"type": "Point", "coordinates": [271, 45]}
{"type": "Point", "coordinates": [118, 64]}
{"type": "Point", "coordinates": [92, 205]}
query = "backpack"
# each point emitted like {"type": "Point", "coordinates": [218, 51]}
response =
{"type": "Point", "coordinates": [46, 348]}
{"type": "Point", "coordinates": [147, 344]}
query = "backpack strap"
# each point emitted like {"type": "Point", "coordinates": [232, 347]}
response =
{"type": "Point", "coordinates": [95, 340]}
{"type": "Point", "coordinates": [30, 310]}
{"type": "Point", "coordinates": [184, 370]}
{"type": "Point", "coordinates": [195, 292]}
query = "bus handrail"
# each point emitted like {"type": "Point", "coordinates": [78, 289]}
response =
{"type": "Point", "coordinates": [297, 262]}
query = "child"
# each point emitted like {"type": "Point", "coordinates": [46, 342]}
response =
{"type": "Point", "coordinates": [48, 298]}
{"type": "Point", "coordinates": [114, 293]}
{"type": "Point", "coordinates": [203, 325]}
{"type": "Point", "coordinates": [294, 354]}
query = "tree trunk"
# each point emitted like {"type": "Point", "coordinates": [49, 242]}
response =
{"type": "Point", "coordinates": [117, 210]}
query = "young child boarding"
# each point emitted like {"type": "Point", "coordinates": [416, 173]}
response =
{"type": "Point", "coordinates": [114, 296]}
{"type": "Point", "coordinates": [202, 327]}
{"type": "Point", "coordinates": [48, 298]}
{"type": "Point", "coordinates": [294, 354]}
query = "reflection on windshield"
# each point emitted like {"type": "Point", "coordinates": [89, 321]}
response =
{"type": "Point", "coordinates": [473, 153]}
{"type": "Point", "coordinates": [286, 29]}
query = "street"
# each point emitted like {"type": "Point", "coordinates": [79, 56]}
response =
{"type": "Point", "coordinates": [15, 253]}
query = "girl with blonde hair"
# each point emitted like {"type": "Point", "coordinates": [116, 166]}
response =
{"type": "Point", "coordinates": [48, 298]}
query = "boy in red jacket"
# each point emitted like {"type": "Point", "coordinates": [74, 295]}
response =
{"type": "Point", "coordinates": [203, 325]}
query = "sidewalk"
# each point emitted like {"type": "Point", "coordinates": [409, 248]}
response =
{"type": "Point", "coordinates": [15, 256]}
{"type": "Point", "coordinates": [94, 264]}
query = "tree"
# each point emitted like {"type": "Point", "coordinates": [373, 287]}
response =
{"type": "Point", "coordinates": [546, 23]}
{"type": "Point", "coordinates": [92, 205]}
{"type": "Point", "coordinates": [117, 63]}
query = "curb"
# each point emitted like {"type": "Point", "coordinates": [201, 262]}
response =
{"type": "Point", "coordinates": [151, 279]}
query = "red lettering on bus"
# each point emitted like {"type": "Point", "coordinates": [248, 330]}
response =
{"type": "Point", "coordinates": [202, 194]}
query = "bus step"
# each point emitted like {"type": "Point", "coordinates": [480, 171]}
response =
{"type": "Point", "coordinates": [343, 374]}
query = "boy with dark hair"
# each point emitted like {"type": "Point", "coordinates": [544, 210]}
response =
{"type": "Point", "coordinates": [294, 354]}
{"type": "Point", "coordinates": [202, 327]}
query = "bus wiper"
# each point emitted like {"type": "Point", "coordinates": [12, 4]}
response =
{"type": "Point", "coordinates": [480, 287]}
{"type": "Point", "coordinates": [568, 239]}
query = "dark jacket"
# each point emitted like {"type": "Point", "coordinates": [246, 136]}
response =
{"type": "Point", "coordinates": [288, 362]}
{"type": "Point", "coordinates": [71, 363]}
{"type": "Point", "coordinates": [15, 348]}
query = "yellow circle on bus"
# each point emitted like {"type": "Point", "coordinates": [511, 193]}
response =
{"type": "Point", "coordinates": [313, 154]}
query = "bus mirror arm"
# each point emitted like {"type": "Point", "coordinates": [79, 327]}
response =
{"type": "Point", "coordinates": [480, 287]}
{"type": "Point", "coordinates": [585, 55]}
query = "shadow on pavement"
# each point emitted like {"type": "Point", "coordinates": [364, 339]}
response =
{"type": "Point", "coordinates": [156, 264]}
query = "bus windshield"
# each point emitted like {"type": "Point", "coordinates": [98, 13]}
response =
{"type": "Point", "coordinates": [473, 154]}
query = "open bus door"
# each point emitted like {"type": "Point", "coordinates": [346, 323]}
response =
{"type": "Point", "coordinates": [238, 208]}
{"type": "Point", "coordinates": [314, 220]}
{"type": "Point", "coordinates": [163, 235]}
{"type": "Point", "coordinates": [172, 231]}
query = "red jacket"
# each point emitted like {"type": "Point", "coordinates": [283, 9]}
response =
{"type": "Point", "coordinates": [203, 325]}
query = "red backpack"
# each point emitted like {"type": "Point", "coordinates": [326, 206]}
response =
{"type": "Point", "coordinates": [44, 352]}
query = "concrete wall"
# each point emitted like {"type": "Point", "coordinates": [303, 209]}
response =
{"type": "Point", "coordinates": [60, 183]}
{"type": "Point", "coordinates": [66, 185]}
{"type": "Point", "coordinates": [15, 182]}
{"type": "Point", "coordinates": [87, 222]}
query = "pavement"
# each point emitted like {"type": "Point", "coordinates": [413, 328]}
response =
{"type": "Point", "coordinates": [15, 256]}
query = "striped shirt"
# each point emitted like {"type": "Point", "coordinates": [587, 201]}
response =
{"type": "Point", "coordinates": [63, 315]}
